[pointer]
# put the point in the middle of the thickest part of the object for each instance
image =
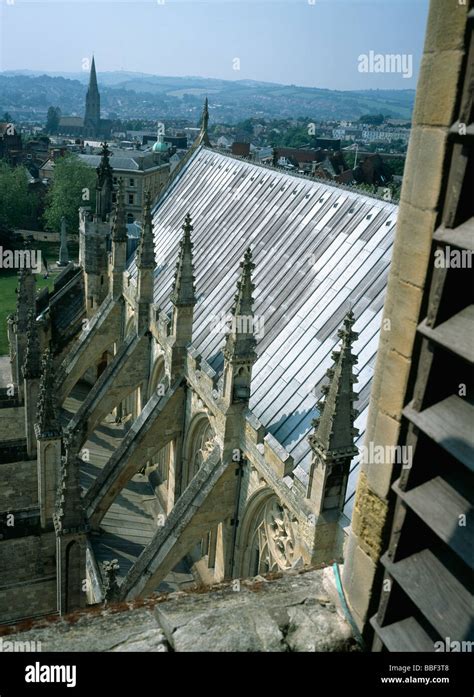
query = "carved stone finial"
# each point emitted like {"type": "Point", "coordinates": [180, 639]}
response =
{"type": "Point", "coordinates": [240, 341]}
{"type": "Point", "coordinates": [111, 586]}
{"type": "Point", "coordinates": [146, 246]}
{"type": "Point", "coordinates": [183, 291]}
{"type": "Point", "coordinates": [334, 427]}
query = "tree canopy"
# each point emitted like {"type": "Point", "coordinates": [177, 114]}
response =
{"type": "Point", "coordinates": [73, 186]}
{"type": "Point", "coordinates": [18, 205]}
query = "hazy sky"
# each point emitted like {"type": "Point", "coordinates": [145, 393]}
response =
{"type": "Point", "coordinates": [305, 42]}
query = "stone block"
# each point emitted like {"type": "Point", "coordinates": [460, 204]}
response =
{"type": "Point", "coordinates": [379, 476]}
{"type": "Point", "coordinates": [242, 628]}
{"type": "Point", "coordinates": [315, 626]}
{"type": "Point", "coordinates": [254, 429]}
{"type": "Point", "coordinates": [426, 154]}
{"type": "Point", "coordinates": [446, 23]}
{"type": "Point", "coordinates": [404, 318]}
{"type": "Point", "coordinates": [395, 376]}
{"type": "Point", "coordinates": [277, 457]}
{"type": "Point", "coordinates": [411, 252]}
{"type": "Point", "coordinates": [438, 81]}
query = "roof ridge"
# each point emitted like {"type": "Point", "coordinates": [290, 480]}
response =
{"type": "Point", "coordinates": [297, 175]}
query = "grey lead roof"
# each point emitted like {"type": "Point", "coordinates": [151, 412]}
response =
{"type": "Point", "coordinates": [134, 163]}
{"type": "Point", "coordinates": [318, 250]}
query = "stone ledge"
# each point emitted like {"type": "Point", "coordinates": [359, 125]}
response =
{"type": "Point", "coordinates": [294, 611]}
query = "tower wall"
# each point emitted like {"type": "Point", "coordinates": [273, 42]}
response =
{"type": "Point", "coordinates": [93, 257]}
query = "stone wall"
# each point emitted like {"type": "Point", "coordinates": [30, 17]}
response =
{"type": "Point", "coordinates": [417, 219]}
{"type": "Point", "coordinates": [19, 488]}
{"type": "Point", "coordinates": [28, 577]}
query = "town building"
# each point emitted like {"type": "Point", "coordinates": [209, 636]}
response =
{"type": "Point", "coordinates": [139, 171]}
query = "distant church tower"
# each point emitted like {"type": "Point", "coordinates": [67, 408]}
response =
{"type": "Point", "coordinates": [92, 115]}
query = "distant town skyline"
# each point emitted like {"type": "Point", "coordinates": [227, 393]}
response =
{"type": "Point", "coordinates": [331, 44]}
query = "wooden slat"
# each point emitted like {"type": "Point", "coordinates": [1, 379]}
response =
{"type": "Point", "coordinates": [461, 236]}
{"type": "Point", "coordinates": [406, 635]}
{"type": "Point", "coordinates": [450, 424]}
{"type": "Point", "coordinates": [439, 506]}
{"type": "Point", "coordinates": [456, 334]}
{"type": "Point", "coordinates": [440, 597]}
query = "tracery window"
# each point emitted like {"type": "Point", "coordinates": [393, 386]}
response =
{"type": "Point", "coordinates": [272, 538]}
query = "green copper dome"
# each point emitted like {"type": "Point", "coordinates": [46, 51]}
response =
{"type": "Point", "coordinates": [160, 145]}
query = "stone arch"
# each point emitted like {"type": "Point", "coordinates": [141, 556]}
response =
{"type": "Point", "coordinates": [198, 445]}
{"type": "Point", "coordinates": [268, 536]}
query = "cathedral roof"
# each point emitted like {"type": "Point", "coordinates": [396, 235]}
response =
{"type": "Point", "coordinates": [319, 250]}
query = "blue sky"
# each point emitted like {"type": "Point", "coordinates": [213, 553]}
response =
{"type": "Point", "coordinates": [304, 42]}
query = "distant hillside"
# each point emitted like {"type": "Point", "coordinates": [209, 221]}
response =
{"type": "Point", "coordinates": [26, 95]}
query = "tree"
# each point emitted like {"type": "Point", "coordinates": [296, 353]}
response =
{"type": "Point", "coordinates": [52, 120]}
{"type": "Point", "coordinates": [372, 119]}
{"type": "Point", "coordinates": [73, 186]}
{"type": "Point", "coordinates": [245, 126]}
{"type": "Point", "coordinates": [18, 205]}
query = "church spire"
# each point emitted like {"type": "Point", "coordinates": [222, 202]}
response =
{"type": "Point", "coordinates": [203, 137]}
{"type": "Point", "coordinates": [93, 77]}
{"type": "Point", "coordinates": [332, 442]}
{"type": "Point", "coordinates": [183, 292]}
{"type": "Point", "coordinates": [92, 113]}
